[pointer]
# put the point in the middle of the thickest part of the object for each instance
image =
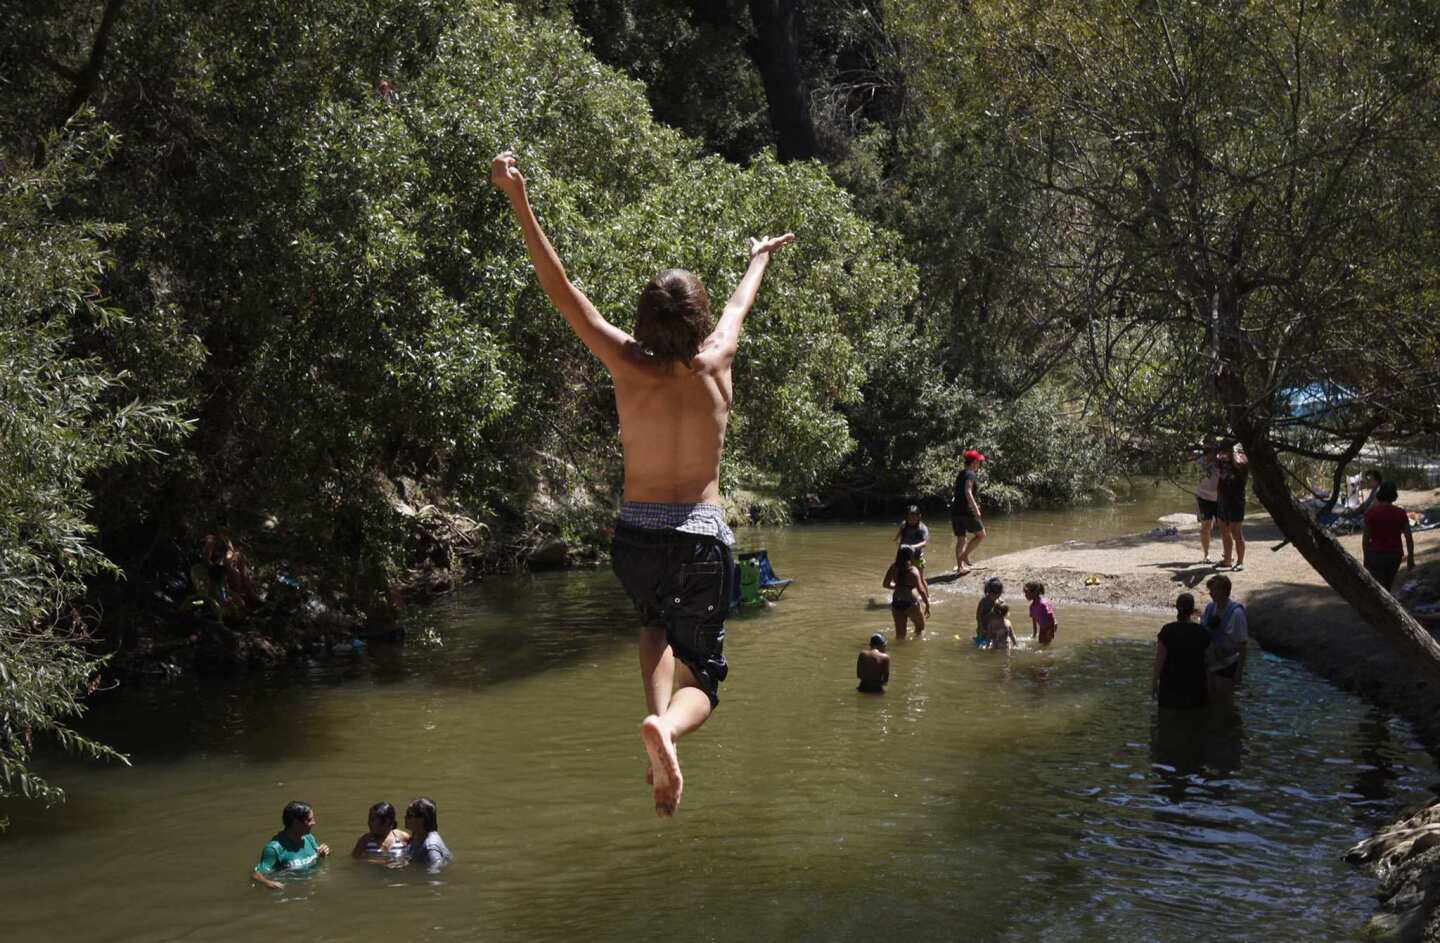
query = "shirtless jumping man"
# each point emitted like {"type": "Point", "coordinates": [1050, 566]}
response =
{"type": "Point", "coordinates": [671, 549]}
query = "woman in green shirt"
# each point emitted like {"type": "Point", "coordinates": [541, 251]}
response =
{"type": "Point", "coordinates": [293, 849]}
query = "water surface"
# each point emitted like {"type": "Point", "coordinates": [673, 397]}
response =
{"type": "Point", "coordinates": [1036, 797]}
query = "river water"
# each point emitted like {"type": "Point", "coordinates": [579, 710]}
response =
{"type": "Point", "coordinates": [1035, 797]}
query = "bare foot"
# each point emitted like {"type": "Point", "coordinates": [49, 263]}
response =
{"type": "Point", "coordinates": [664, 765]}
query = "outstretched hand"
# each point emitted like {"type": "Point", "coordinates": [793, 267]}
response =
{"type": "Point", "coordinates": [768, 244]}
{"type": "Point", "coordinates": [505, 176]}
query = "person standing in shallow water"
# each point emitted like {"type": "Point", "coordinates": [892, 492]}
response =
{"type": "Point", "coordinates": [914, 534]}
{"type": "Point", "coordinates": [909, 592]}
{"type": "Point", "coordinates": [671, 549]}
{"type": "Point", "coordinates": [427, 848]}
{"type": "Point", "coordinates": [872, 666]}
{"type": "Point", "coordinates": [1180, 677]}
{"type": "Point", "coordinates": [965, 512]}
{"type": "Point", "coordinates": [294, 848]}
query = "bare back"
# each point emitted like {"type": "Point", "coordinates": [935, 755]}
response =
{"type": "Point", "coordinates": [673, 419]}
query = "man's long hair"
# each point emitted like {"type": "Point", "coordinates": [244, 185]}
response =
{"type": "Point", "coordinates": [673, 316]}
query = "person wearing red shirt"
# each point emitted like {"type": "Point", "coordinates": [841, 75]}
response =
{"type": "Point", "coordinates": [1385, 524]}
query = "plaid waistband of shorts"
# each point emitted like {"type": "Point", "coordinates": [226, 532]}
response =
{"type": "Point", "coordinates": [705, 519]}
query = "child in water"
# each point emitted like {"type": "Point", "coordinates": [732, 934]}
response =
{"type": "Point", "coordinates": [994, 589]}
{"type": "Point", "coordinates": [427, 848]}
{"type": "Point", "coordinates": [998, 631]}
{"type": "Point", "coordinates": [383, 840]}
{"type": "Point", "coordinates": [1042, 614]}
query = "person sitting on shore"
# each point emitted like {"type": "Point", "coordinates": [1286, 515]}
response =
{"type": "Point", "coordinates": [998, 631]}
{"type": "Point", "coordinates": [872, 666]}
{"type": "Point", "coordinates": [1225, 621]}
{"type": "Point", "coordinates": [427, 848]}
{"type": "Point", "coordinates": [1385, 526]}
{"type": "Point", "coordinates": [1042, 614]}
{"type": "Point", "coordinates": [909, 593]}
{"type": "Point", "coordinates": [994, 589]}
{"type": "Point", "coordinates": [293, 849]}
{"type": "Point", "coordinates": [914, 534]}
{"type": "Point", "coordinates": [1180, 678]}
{"type": "Point", "coordinates": [382, 839]}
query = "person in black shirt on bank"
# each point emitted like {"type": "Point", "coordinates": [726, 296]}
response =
{"type": "Point", "coordinates": [965, 512]}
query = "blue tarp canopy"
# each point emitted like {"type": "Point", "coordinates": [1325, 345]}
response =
{"type": "Point", "coordinates": [1315, 400]}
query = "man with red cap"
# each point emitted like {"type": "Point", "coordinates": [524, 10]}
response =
{"type": "Point", "coordinates": [965, 512]}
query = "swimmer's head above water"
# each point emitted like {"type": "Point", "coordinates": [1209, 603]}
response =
{"type": "Point", "coordinates": [877, 642]}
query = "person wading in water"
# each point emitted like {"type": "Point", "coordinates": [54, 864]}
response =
{"type": "Point", "coordinates": [671, 549]}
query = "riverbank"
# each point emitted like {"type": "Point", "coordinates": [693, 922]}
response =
{"type": "Point", "coordinates": [1292, 612]}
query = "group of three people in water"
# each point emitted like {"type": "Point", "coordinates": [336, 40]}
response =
{"type": "Point", "coordinates": [295, 849]}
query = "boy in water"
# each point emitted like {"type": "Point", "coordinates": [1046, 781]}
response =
{"type": "Point", "coordinates": [872, 666]}
{"type": "Point", "coordinates": [671, 549]}
{"type": "Point", "coordinates": [994, 589]}
{"type": "Point", "coordinates": [998, 630]}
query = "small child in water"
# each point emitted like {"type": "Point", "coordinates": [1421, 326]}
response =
{"type": "Point", "coordinates": [998, 630]}
{"type": "Point", "coordinates": [383, 839]}
{"type": "Point", "coordinates": [427, 848]}
{"type": "Point", "coordinates": [1042, 614]}
{"type": "Point", "coordinates": [872, 667]}
{"type": "Point", "coordinates": [994, 589]}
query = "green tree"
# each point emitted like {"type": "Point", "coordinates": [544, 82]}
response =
{"type": "Point", "coordinates": [1228, 203]}
{"type": "Point", "coordinates": [64, 418]}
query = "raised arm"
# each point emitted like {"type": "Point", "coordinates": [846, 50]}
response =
{"type": "Point", "coordinates": [604, 339]}
{"type": "Point", "coordinates": [719, 348]}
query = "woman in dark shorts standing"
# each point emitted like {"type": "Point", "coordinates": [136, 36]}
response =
{"type": "Point", "coordinates": [910, 591]}
{"type": "Point", "coordinates": [1180, 678]}
{"type": "Point", "coordinates": [1234, 474]}
{"type": "Point", "coordinates": [965, 512]}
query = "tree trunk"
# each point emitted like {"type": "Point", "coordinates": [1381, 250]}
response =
{"type": "Point", "coordinates": [775, 50]}
{"type": "Point", "coordinates": [1322, 551]}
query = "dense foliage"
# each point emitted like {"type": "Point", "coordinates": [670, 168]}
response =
{"type": "Point", "coordinates": [64, 417]}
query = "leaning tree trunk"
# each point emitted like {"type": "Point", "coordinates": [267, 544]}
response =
{"type": "Point", "coordinates": [775, 50]}
{"type": "Point", "coordinates": [1322, 551]}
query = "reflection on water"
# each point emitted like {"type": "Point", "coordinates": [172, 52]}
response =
{"type": "Point", "coordinates": [1039, 796]}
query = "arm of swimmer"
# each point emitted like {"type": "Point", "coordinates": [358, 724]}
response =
{"type": "Point", "coordinates": [259, 878]}
{"type": "Point", "coordinates": [889, 581]}
{"type": "Point", "coordinates": [885, 670]}
{"type": "Point", "coordinates": [970, 499]}
{"type": "Point", "coordinates": [1158, 667]}
{"type": "Point", "coordinates": [719, 348]}
{"type": "Point", "coordinates": [1244, 654]}
{"type": "Point", "coordinates": [860, 666]}
{"type": "Point", "coordinates": [1409, 546]}
{"type": "Point", "coordinates": [605, 340]}
{"type": "Point", "coordinates": [922, 586]}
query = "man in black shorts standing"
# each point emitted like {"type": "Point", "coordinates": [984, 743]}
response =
{"type": "Point", "coordinates": [671, 550]}
{"type": "Point", "coordinates": [965, 512]}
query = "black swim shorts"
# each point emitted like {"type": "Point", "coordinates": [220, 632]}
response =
{"type": "Point", "coordinates": [962, 524]}
{"type": "Point", "coordinates": [1231, 511]}
{"type": "Point", "coordinates": [1206, 509]}
{"type": "Point", "coordinates": [683, 582]}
